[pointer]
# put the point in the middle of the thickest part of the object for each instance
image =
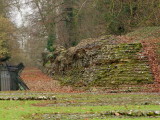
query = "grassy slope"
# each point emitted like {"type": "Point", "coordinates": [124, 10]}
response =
{"type": "Point", "coordinates": [145, 33]}
{"type": "Point", "coordinates": [86, 103]}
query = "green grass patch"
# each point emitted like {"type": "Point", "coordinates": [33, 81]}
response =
{"type": "Point", "coordinates": [84, 103]}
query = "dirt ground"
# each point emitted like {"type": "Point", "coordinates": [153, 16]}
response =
{"type": "Point", "coordinates": [38, 81]}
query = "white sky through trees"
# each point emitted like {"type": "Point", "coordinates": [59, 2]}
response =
{"type": "Point", "coordinates": [18, 14]}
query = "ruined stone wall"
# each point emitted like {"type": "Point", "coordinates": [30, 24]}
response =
{"type": "Point", "coordinates": [100, 62]}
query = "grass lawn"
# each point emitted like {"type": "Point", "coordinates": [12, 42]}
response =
{"type": "Point", "coordinates": [84, 106]}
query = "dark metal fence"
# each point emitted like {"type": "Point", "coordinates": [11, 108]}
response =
{"type": "Point", "coordinates": [10, 78]}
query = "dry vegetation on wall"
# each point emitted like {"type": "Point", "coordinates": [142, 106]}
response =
{"type": "Point", "coordinates": [150, 48]}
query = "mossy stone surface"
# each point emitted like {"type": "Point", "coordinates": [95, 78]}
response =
{"type": "Point", "coordinates": [103, 63]}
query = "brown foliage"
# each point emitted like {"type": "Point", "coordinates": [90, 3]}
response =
{"type": "Point", "coordinates": [38, 81]}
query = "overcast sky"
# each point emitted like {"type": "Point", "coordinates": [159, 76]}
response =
{"type": "Point", "coordinates": [18, 17]}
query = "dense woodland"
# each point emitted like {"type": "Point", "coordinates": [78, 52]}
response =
{"type": "Point", "coordinates": [66, 22]}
